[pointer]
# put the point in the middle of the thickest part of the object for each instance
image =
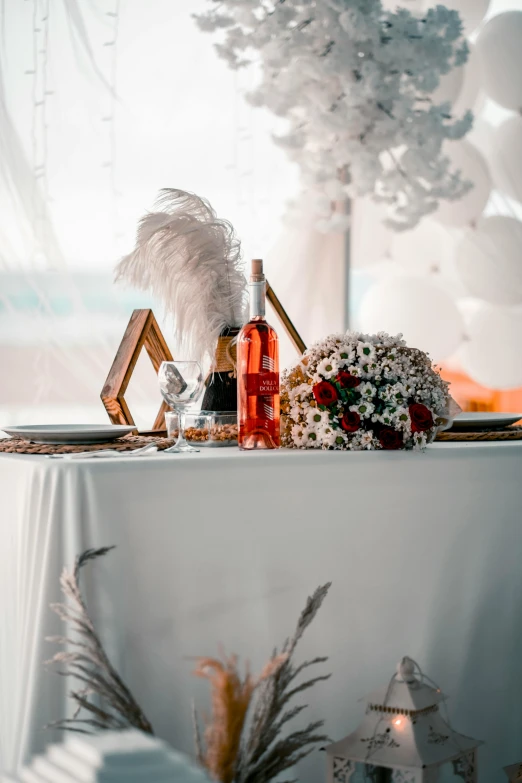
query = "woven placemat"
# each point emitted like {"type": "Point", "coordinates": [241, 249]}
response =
{"type": "Point", "coordinates": [509, 433]}
{"type": "Point", "coordinates": [128, 443]}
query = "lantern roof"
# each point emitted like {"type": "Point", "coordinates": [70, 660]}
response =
{"type": "Point", "coordinates": [406, 692]}
{"type": "Point", "coordinates": [403, 726]}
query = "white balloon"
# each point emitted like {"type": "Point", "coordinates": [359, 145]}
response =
{"type": "Point", "coordinates": [471, 84]}
{"type": "Point", "coordinates": [468, 308]}
{"type": "Point", "coordinates": [423, 312]}
{"type": "Point", "coordinates": [470, 162]}
{"type": "Point", "coordinates": [492, 354]}
{"type": "Point", "coordinates": [472, 12]}
{"type": "Point", "coordinates": [428, 250]}
{"type": "Point", "coordinates": [506, 157]}
{"type": "Point", "coordinates": [482, 136]}
{"type": "Point", "coordinates": [489, 260]}
{"type": "Point", "coordinates": [385, 268]}
{"type": "Point", "coordinates": [499, 50]}
{"type": "Point", "coordinates": [424, 250]}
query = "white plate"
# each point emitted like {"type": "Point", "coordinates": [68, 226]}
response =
{"type": "Point", "coordinates": [484, 420]}
{"type": "Point", "coordinates": [70, 433]}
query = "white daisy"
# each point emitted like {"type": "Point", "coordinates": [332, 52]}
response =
{"type": "Point", "coordinates": [327, 368]}
{"type": "Point", "coordinates": [316, 418]}
{"type": "Point", "coordinates": [386, 418]}
{"type": "Point", "coordinates": [300, 392]}
{"type": "Point", "coordinates": [401, 418]}
{"type": "Point", "coordinates": [420, 440]}
{"type": "Point", "coordinates": [364, 408]}
{"type": "Point", "coordinates": [366, 440]}
{"type": "Point", "coordinates": [394, 393]}
{"type": "Point", "coordinates": [333, 438]}
{"type": "Point", "coordinates": [362, 440]}
{"type": "Point", "coordinates": [295, 412]}
{"type": "Point", "coordinates": [314, 438]}
{"type": "Point", "coordinates": [367, 369]}
{"type": "Point", "coordinates": [300, 435]}
{"type": "Point", "coordinates": [365, 352]}
{"type": "Point", "coordinates": [344, 355]}
{"type": "Point", "coordinates": [367, 390]}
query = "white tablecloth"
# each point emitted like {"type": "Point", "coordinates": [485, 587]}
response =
{"type": "Point", "coordinates": [423, 551]}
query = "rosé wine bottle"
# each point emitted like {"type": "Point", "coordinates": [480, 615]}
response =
{"type": "Point", "coordinates": [258, 373]}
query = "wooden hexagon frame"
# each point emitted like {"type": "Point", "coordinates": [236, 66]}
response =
{"type": "Point", "coordinates": [142, 332]}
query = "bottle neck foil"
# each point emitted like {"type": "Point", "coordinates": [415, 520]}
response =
{"type": "Point", "coordinates": [257, 299]}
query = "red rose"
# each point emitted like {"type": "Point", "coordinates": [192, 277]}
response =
{"type": "Point", "coordinates": [350, 421]}
{"type": "Point", "coordinates": [325, 393]}
{"type": "Point", "coordinates": [421, 418]}
{"type": "Point", "coordinates": [389, 438]}
{"type": "Point", "coordinates": [347, 381]}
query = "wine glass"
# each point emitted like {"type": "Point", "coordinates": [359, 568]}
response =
{"type": "Point", "coordinates": [181, 383]}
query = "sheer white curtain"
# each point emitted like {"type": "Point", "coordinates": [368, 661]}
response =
{"type": "Point", "coordinates": [102, 103]}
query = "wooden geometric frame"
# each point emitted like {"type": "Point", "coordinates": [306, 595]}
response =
{"type": "Point", "coordinates": [143, 332]}
{"type": "Point", "coordinates": [285, 321]}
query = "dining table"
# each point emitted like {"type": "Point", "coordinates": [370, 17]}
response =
{"type": "Point", "coordinates": [216, 553]}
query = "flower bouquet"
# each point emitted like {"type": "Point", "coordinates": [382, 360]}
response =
{"type": "Point", "coordinates": [357, 391]}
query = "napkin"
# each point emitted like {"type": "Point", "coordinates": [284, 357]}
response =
{"type": "Point", "coordinates": [453, 410]}
{"type": "Point", "coordinates": [144, 451]}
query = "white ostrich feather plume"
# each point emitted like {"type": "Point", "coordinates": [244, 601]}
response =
{"type": "Point", "coordinates": [189, 260]}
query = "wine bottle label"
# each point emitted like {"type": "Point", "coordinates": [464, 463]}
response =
{"type": "Point", "coordinates": [262, 384]}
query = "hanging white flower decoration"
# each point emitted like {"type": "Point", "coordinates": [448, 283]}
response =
{"type": "Point", "coordinates": [354, 82]}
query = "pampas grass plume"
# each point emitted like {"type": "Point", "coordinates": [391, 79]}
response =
{"type": "Point", "coordinates": [230, 696]}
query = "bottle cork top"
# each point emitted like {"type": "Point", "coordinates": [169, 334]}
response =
{"type": "Point", "coordinates": [257, 270]}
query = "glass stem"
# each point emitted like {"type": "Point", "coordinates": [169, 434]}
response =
{"type": "Point", "coordinates": [181, 428]}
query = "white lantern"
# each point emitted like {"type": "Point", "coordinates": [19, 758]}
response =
{"type": "Point", "coordinates": [514, 773]}
{"type": "Point", "coordinates": [425, 314]}
{"type": "Point", "coordinates": [119, 756]}
{"type": "Point", "coordinates": [500, 55]}
{"type": "Point", "coordinates": [492, 354]}
{"type": "Point", "coordinates": [471, 12]}
{"type": "Point", "coordinates": [403, 737]}
{"type": "Point", "coordinates": [471, 163]}
{"type": "Point", "coordinates": [506, 157]}
{"type": "Point", "coordinates": [489, 260]}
